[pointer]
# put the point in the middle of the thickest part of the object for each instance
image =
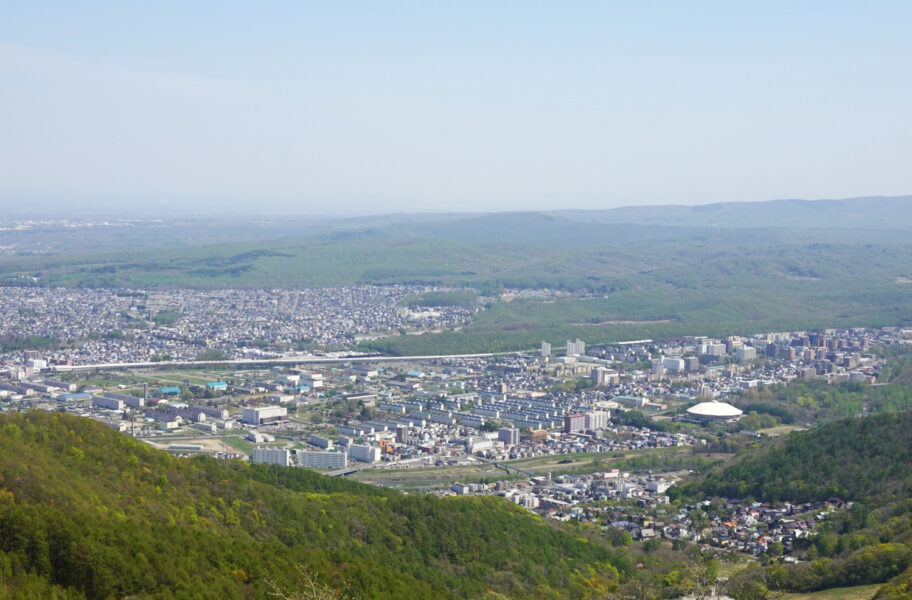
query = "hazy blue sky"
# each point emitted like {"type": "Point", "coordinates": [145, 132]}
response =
{"type": "Point", "coordinates": [377, 106]}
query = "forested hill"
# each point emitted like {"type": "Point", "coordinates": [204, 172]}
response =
{"type": "Point", "coordinates": [852, 213]}
{"type": "Point", "coordinates": [86, 512]}
{"type": "Point", "coordinates": [865, 460]}
{"type": "Point", "coordinates": [856, 459]}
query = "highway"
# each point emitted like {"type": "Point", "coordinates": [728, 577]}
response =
{"type": "Point", "coordinates": [295, 360]}
{"type": "Point", "coordinates": [292, 360]}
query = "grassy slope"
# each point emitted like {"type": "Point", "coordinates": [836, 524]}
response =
{"type": "Point", "coordinates": [859, 592]}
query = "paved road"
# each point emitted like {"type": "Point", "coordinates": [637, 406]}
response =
{"type": "Point", "coordinates": [296, 360]}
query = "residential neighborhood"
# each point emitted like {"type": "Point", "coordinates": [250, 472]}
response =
{"type": "Point", "coordinates": [543, 429]}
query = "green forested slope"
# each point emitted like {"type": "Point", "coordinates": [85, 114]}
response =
{"type": "Point", "coordinates": [865, 460]}
{"type": "Point", "coordinates": [817, 401]}
{"type": "Point", "coordinates": [853, 458]}
{"type": "Point", "coordinates": [88, 512]}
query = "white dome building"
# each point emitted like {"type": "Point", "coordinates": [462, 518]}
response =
{"type": "Point", "coordinates": [714, 411]}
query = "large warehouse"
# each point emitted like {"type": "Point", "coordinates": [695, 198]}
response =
{"type": "Point", "coordinates": [714, 411]}
{"type": "Point", "coordinates": [263, 415]}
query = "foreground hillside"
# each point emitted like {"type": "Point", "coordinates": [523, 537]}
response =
{"type": "Point", "coordinates": [867, 461]}
{"type": "Point", "coordinates": [86, 512]}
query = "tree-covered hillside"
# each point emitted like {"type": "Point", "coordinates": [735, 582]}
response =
{"type": "Point", "coordinates": [853, 459]}
{"type": "Point", "coordinates": [86, 512]}
{"type": "Point", "coordinates": [867, 461]}
{"type": "Point", "coordinates": [817, 401]}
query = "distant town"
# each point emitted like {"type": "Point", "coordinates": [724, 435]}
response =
{"type": "Point", "coordinates": [99, 326]}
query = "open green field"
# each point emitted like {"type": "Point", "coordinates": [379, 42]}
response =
{"type": "Point", "coordinates": [430, 477]}
{"type": "Point", "coordinates": [860, 592]}
{"type": "Point", "coordinates": [585, 462]}
{"type": "Point", "coordinates": [156, 378]}
{"type": "Point", "coordinates": [239, 444]}
{"type": "Point", "coordinates": [780, 429]}
{"type": "Point", "coordinates": [728, 569]}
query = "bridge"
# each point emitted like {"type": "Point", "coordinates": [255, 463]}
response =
{"type": "Point", "coordinates": [509, 468]}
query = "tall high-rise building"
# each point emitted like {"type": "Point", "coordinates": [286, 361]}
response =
{"type": "Point", "coordinates": [576, 348]}
{"type": "Point", "coordinates": [545, 349]}
{"type": "Point", "coordinates": [603, 376]}
{"type": "Point", "coordinates": [509, 436]}
{"type": "Point", "coordinates": [597, 420]}
{"type": "Point", "coordinates": [574, 422]}
{"type": "Point", "coordinates": [746, 353]}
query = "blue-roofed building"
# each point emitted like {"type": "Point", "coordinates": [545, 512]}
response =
{"type": "Point", "coordinates": [71, 397]}
{"type": "Point", "coordinates": [170, 391]}
{"type": "Point", "coordinates": [217, 386]}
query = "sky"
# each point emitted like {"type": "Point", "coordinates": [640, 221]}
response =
{"type": "Point", "coordinates": [370, 107]}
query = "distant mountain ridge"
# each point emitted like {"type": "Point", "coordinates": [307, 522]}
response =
{"type": "Point", "coordinates": [872, 212]}
{"type": "Point", "coordinates": [773, 221]}
{"type": "Point", "coordinates": [587, 226]}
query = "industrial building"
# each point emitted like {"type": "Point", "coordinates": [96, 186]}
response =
{"type": "Point", "coordinates": [312, 380]}
{"type": "Point", "coordinates": [211, 411]}
{"type": "Point", "coordinates": [73, 396]}
{"type": "Point", "coordinates": [128, 400]}
{"type": "Point", "coordinates": [263, 415]}
{"type": "Point", "coordinates": [108, 403]}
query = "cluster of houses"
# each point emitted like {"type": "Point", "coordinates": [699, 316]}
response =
{"type": "Point", "coordinates": [122, 326]}
{"type": "Point", "coordinates": [733, 526]}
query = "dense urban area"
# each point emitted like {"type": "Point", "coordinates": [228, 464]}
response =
{"type": "Point", "coordinates": [95, 326]}
{"type": "Point", "coordinates": [590, 434]}
{"type": "Point", "coordinates": [455, 301]}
